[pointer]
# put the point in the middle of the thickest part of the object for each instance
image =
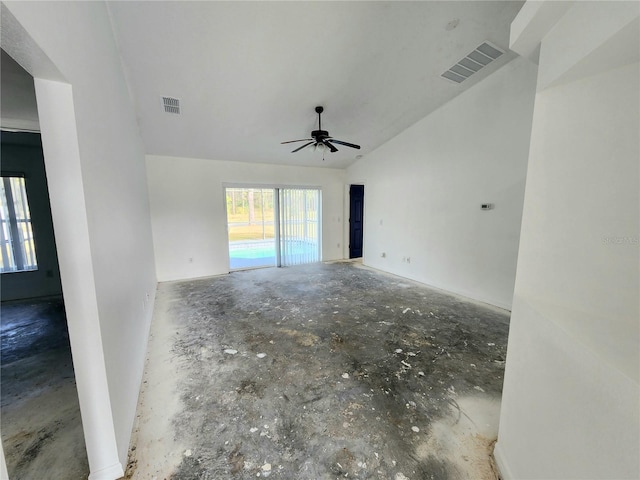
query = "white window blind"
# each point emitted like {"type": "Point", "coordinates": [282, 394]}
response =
{"type": "Point", "coordinates": [18, 252]}
{"type": "Point", "coordinates": [299, 210]}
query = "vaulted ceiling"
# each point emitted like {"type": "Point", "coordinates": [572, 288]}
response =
{"type": "Point", "coordinates": [249, 74]}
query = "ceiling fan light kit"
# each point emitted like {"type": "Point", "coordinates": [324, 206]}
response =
{"type": "Point", "coordinates": [320, 139]}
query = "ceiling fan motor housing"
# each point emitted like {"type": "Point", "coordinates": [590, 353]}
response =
{"type": "Point", "coordinates": [321, 138]}
{"type": "Point", "coordinates": [319, 133]}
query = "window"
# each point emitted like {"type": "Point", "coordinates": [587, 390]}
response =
{"type": "Point", "coordinates": [16, 235]}
{"type": "Point", "coordinates": [273, 226]}
{"type": "Point", "coordinates": [299, 226]}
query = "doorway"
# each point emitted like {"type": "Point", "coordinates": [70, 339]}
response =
{"type": "Point", "coordinates": [270, 227]}
{"type": "Point", "coordinates": [55, 118]}
{"type": "Point", "coordinates": [356, 220]}
{"type": "Point", "coordinates": [42, 433]}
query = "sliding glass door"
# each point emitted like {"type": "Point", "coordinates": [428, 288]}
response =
{"type": "Point", "coordinates": [273, 226]}
{"type": "Point", "coordinates": [251, 227]}
{"type": "Point", "coordinates": [299, 226]}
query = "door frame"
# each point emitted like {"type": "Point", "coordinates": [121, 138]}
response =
{"type": "Point", "coordinates": [276, 187]}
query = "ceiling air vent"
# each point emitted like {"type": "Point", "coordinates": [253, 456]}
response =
{"type": "Point", "coordinates": [480, 57]}
{"type": "Point", "coordinates": [171, 105]}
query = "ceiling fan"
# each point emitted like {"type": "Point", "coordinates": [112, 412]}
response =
{"type": "Point", "coordinates": [320, 139]}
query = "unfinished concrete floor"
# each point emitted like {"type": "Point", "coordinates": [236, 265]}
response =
{"type": "Point", "coordinates": [318, 372]}
{"type": "Point", "coordinates": [40, 416]}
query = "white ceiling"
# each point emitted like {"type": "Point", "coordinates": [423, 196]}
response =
{"type": "Point", "coordinates": [249, 74]}
{"type": "Point", "coordinates": [18, 110]}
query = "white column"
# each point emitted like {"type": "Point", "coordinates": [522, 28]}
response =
{"type": "Point", "coordinates": [68, 209]}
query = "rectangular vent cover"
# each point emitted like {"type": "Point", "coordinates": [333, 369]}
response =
{"type": "Point", "coordinates": [171, 105]}
{"type": "Point", "coordinates": [480, 57]}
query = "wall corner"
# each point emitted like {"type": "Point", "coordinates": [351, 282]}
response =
{"type": "Point", "coordinates": [501, 463]}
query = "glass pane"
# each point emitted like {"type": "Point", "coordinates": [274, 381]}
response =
{"type": "Point", "coordinates": [299, 220]}
{"type": "Point", "coordinates": [17, 246]}
{"type": "Point", "coordinates": [250, 217]}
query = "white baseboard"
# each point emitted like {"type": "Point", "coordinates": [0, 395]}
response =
{"type": "Point", "coordinates": [501, 464]}
{"type": "Point", "coordinates": [112, 472]}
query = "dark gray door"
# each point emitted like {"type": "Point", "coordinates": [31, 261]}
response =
{"type": "Point", "coordinates": [356, 221]}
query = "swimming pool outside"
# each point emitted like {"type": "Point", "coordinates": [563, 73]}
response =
{"type": "Point", "coordinates": [262, 253]}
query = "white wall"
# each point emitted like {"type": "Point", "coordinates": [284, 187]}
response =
{"type": "Point", "coordinates": [424, 188]}
{"type": "Point", "coordinates": [96, 169]}
{"type": "Point", "coordinates": [570, 402]}
{"type": "Point", "coordinates": [188, 210]}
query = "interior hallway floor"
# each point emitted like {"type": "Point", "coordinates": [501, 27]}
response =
{"type": "Point", "coordinates": [321, 371]}
{"type": "Point", "coordinates": [40, 415]}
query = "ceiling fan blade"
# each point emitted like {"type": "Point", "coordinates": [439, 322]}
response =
{"type": "Point", "coordinates": [346, 144]}
{"type": "Point", "coordinates": [331, 147]}
{"type": "Point", "coordinates": [300, 148]}
{"type": "Point", "coordinates": [293, 141]}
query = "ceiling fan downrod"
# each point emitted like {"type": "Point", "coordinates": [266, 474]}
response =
{"type": "Point", "coordinates": [319, 111]}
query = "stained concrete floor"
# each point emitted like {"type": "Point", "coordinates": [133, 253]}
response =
{"type": "Point", "coordinates": [40, 424]}
{"type": "Point", "coordinates": [318, 372]}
